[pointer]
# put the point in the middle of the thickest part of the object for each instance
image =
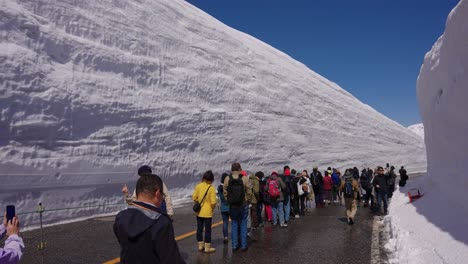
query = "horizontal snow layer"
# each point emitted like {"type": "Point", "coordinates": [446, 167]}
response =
{"type": "Point", "coordinates": [93, 86]}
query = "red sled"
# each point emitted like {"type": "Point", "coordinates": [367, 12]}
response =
{"type": "Point", "coordinates": [414, 194]}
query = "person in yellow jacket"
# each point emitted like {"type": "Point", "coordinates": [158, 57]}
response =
{"type": "Point", "coordinates": [205, 194]}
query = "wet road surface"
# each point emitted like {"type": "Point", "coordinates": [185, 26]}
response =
{"type": "Point", "coordinates": [322, 236]}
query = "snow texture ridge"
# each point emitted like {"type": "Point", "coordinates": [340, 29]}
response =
{"type": "Point", "coordinates": [94, 87]}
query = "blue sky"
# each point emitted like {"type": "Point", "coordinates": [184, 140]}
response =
{"type": "Point", "coordinates": [371, 48]}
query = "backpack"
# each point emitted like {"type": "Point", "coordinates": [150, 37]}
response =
{"type": "Point", "coordinates": [365, 183]}
{"type": "Point", "coordinates": [273, 189]}
{"type": "Point", "coordinates": [348, 187]}
{"type": "Point", "coordinates": [263, 195]}
{"type": "Point", "coordinates": [235, 191]}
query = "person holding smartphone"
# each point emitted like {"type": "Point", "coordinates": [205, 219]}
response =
{"type": "Point", "coordinates": [13, 249]}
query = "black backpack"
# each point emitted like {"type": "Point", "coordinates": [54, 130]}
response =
{"type": "Point", "coordinates": [348, 187]}
{"type": "Point", "coordinates": [235, 191]}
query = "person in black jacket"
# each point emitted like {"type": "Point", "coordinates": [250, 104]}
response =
{"type": "Point", "coordinates": [144, 232]}
{"type": "Point", "coordinates": [403, 176]}
{"type": "Point", "coordinates": [381, 188]}
{"type": "Point", "coordinates": [317, 185]}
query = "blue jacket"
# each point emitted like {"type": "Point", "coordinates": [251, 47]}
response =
{"type": "Point", "coordinates": [224, 205]}
{"type": "Point", "coordinates": [336, 179]}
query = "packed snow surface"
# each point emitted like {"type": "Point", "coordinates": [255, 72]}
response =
{"type": "Point", "coordinates": [433, 229]}
{"type": "Point", "coordinates": [418, 129]}
{"type": "Point", "coordinates": [90, 90]}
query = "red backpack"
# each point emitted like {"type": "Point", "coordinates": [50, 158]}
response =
{"type": "Point", "coordinates": [273, 188]}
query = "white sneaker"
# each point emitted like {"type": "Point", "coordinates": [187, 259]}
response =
{"type": "Point", "coordinates": [296, 216]}
{"type": "Point", "coordinates": [284, 225]}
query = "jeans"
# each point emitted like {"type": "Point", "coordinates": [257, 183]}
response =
{"type": "Point", "coordinates": [239, 222]}
{"type": "Point", "coordinates": [335, 192]}
{"type": "Point", "coordinates": [382, 196]}
{"type": "Point", "coordinates": [295, 203]}
{"type": "Point", "coordinates": [259, 212]}
{"type": "Point", "coordinates": [206, 222]}
{"type": "Point", "coordinates": [277, 209]}
{"type": "Point", "coordinates": [225, 216]}
{"type": "Point", "coordinates": [318, 197]}
{"type": "Point", "coordinates": [253, 216]}
{"type": "Point", "coordinates": [287, 208]}
{"type": "Point", "coordinates": [368, 197]}
{"type": "Point", "coordinates": [303, 198]}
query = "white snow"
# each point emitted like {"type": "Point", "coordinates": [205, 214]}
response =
{"type": "Point", "coordinates": [433, 228]}
{"type": "Point", "coordinates": [90, 90]}
{"type": "Point", "coordinates": [418, 129]}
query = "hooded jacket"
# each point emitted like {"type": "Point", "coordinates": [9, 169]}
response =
{"type": "Point", "coordinates": [145, 236]}
{"type": "Point", "coordinates": [209, 204]}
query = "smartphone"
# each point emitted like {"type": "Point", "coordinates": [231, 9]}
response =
{"type": "Point", "coordinates": [10, 212]}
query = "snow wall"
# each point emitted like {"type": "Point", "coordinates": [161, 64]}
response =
{"type": "Point", "coordinates": [90, 90]}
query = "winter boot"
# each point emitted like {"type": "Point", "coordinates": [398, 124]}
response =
{"type": "Point", "coordinates": [201, 245]}
{"type": "Point", "coordinates": [209, 249]}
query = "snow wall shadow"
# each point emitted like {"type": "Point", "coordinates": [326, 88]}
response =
{"type": "Point", "coordinates": [446, 214]}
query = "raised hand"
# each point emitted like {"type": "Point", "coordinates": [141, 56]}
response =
{"type": "Point", "coordinates": [13, 227]}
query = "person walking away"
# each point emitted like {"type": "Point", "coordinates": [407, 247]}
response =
{"type": "Point", "coordinates": [205, 195]}
{"type": "Point", "coordinates": [275, 187]}
{"type": "Point", "coordinates": [327, 188]}
{"type": "Point", "coordinates": [381, 189]}
{"type": "Point", "coordinates": [391, 181]}
{"type": "Point", "coordinates": [144, 232]}
{"type": "Point", "coordinates": [166, 206]}
{"type": "Point", "coordinates": [366, 183]}
{"type": "Point", "coordinates": [238, 193]}
{"type": "Point", "coordinates": [336, 186]}
{"type": "Point", "coordinates": [304, 188]}
{"type": "Point", "coordinates": [295, 195]}
{"type": "Point", "coordinates": [317, 185]}
{"type": "Point", "coordinates": [13, 250]}
{"type": "Point", "coordinates": [287, 193]}
{"type": "Point", "coordinates": [403, 176]}
{"type": "Point", "coordinates": [261, 187]}
{"type": "Point", "coordinates": [224, 208]}
{"type": "Point", "coordinates": [266, 199]}
{"type": "Point", "coordinates": [350, 188]}
{"type": "Point", "coordinates": [254, 184]}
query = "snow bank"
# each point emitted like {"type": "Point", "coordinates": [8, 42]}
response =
{"type": "Point", "coordinates": [432, 229]}
{"type": "Point", "coordinates": [442, 94]}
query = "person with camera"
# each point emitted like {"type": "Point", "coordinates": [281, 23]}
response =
{"type": "Point", "coordinates": [144, 232]}
{"type": "Point", "coordinates": [13, 249]}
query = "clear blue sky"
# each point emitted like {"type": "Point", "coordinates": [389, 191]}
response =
{"type": "Point", "coordinates": [371, 48]}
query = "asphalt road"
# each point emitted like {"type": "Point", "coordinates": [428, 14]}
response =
{"type": "Point", "coordinates": [322, 236]}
